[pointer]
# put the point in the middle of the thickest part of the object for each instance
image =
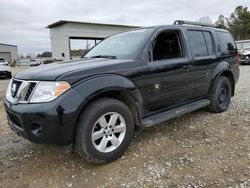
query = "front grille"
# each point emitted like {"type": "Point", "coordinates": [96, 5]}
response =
{"type": "Point", "coordinates": [20, 91]}
{"type": "Point", "coordinates": [29, 91]}
{"type": "Point", "coordinates": [14, 119]}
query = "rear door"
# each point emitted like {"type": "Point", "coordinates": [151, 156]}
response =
{"type": "Point", "coordinates": [201, 44]}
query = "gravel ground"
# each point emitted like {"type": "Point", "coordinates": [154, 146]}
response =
{"type": "Point", "coordinates": [200, 149]}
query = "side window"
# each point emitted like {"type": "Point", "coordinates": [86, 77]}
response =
{"type": "Point", "coordinates": [209, 42]}
{"type": "Point", "coordinates": [167, 46]}
{"type": "Point", "coordinates": [227, 44]}
{"type": "Point", "coordinates": [197, 43]}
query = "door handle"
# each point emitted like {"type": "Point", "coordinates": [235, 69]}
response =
{"type": "Point", "coordinates": [187, 67]}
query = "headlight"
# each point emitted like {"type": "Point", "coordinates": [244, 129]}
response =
{"type": "Point", "coordinates": [48, 91]}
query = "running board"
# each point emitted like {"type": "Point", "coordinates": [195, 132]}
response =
{"type": "Point", "coordinates": [170, 114]}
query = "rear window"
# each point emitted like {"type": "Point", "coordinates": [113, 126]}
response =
{"type": "Point", "coordinates": [2, 60]}
{"type": "Point", "coordinates": [227, 44]}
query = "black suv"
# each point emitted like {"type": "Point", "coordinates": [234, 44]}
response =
{"type": "Point", "coordinates": [133, 79]}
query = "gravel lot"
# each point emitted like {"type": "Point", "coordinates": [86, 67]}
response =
{"type": "Point", "coordinates": [200, 149]}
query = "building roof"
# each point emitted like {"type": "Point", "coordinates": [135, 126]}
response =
{"type": "Point", "coordinates": [8, 44]}
{"type": "Point", "coordinates": [62, 22]}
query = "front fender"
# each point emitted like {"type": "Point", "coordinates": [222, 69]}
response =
{"type": "Point", "coordinates": [103, 83]}
{"type": "Point", "coordinates": [94, 86]}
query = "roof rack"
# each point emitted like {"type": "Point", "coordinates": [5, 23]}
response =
{"type": "Point", "coordinates": [183, 22]}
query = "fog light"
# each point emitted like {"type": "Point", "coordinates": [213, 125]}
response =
{"type": "Point", "coordinates": [36, 129]}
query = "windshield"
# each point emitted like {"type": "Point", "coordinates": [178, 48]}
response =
{"type": "Point", "coordinates": [2, 60]}
{"type": "Point", "coordinates": [123, 45]}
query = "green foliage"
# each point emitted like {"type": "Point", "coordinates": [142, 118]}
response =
{"type": "Point", "coordinates": [238, 23]}
{"type": "Point", "coordinates": [79, 52]}
{"type": "Point", "coordinates": [45, 54]}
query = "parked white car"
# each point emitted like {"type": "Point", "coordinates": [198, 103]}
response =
{"type": "Point", "coordinates": [35, 62]}
{"type": "Point", "coordinates": [3, 61]}
{"type": "Point", "coordinates": [5, 68]}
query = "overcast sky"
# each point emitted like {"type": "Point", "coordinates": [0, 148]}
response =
{"type": "Point", "coordinates": [23, 22]}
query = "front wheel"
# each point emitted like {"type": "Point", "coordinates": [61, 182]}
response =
{"type": "Point", "coordinates": [104, 131]}
{"type": "Point", "coordinates": [221, 95]}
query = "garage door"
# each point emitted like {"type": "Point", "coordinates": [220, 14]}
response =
{"type": "Point", "coordinates": [6, 55]}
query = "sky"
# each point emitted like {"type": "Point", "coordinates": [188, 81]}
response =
{"type": "Point", "coordinates": [23, 22]}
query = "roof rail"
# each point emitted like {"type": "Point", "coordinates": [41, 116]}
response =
{"type": "Point", "coordinates": [183, 22]}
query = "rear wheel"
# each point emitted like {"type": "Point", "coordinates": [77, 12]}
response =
{"type": "Point", "coordinates": [104, 131]}
{"type": "Point", "coordinates": [221, 95]}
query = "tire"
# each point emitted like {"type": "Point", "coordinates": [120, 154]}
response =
{"type": "Point", "coordinates": [9, 76]}
{"type": "Point", "coordinates": [94, 120]}
{"type": "Point", "coordinates": [221, 95]}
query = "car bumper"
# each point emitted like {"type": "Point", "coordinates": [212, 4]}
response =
{"type": "Point", "coordinates": [46, 123]}
{"type": "Point", "coordinates": [245, 61]}
{"type": "Point", "coordinates": [5, 73]}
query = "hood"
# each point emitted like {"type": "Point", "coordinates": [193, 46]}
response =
{"type": "Point", "coordinates": [73, 71]}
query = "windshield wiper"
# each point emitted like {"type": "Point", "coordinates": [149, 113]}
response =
{"type": "Point", "coordinates": [104, 56]}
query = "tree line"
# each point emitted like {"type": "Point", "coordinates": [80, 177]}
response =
{"type": "Point", "coordinates": [238, 23]}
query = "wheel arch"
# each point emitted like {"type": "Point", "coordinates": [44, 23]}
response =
{"type": "Point", "coordinates": [110, 86]}
{"type": "Point", "coordinates": [223, 69]}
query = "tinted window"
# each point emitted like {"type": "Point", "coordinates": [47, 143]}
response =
{"type": "Point", "coordinates": [197, 43]}
{"type": "Point", "coordinates": [209, 42]}
{"type": "Point", "coordinates": [167, 46]}
{"type": "Point", "coordinates": [227, 44]}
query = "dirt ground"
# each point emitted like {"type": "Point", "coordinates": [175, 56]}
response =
{"type": "Point", "coordinates": [200, 149]}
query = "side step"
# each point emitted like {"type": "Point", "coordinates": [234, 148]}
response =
{"type": "Point", "coordinates": [170, 114]}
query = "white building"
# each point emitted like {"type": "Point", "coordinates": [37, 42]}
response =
{"type": "Point", "coordinates": [62, 32]}
{"type": "Point", "coordinates": [9, 52]}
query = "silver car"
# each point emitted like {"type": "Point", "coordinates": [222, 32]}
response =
{"type": "Point", "coordinates": [245, 56]}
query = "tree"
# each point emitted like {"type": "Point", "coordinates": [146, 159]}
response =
{"type": "Point", "coordinates": [79, 52]}
{"type": "Point", "coordinates": [238, 23]}
{"type": "Point", "coordinates": [21, 56]}
{"type": "Point", "coordinates": [222, 22]}
{"type": "Point", "coordinates": [45, 54]}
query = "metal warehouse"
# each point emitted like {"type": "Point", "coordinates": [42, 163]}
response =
{"type": "Point", "coordinates": [62, 32]}
{"type": "Point", "coordinates": [9, 52]}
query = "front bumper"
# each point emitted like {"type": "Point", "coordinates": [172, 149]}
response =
{"type": "Point", "coordinates": [245, 61]}
{"type": "Point", "coordinates": [5, 73]}
{"type": "Point", "coordinates": [46, 123]}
